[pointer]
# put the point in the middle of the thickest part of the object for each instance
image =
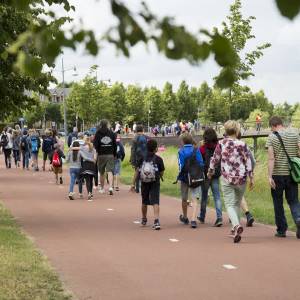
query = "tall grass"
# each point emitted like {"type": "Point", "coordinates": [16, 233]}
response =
{"type": "Point", "coordinates": [259, 199]}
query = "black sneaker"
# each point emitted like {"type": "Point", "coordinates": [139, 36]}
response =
{"type": "Point", "coordinates": [280, 234]}
{"type": "Point", "coordinates": [201, 220]}
{"type": "Point", "coordinates": [184, 220]}
{"type": "Point", "coordinates": [218, 223]}
{"type": "Point", "coordinates": [144, 221]}
{"type": "Point", "coordinates": [250, 220]}
{"type": "Point", "coordinates": [61, 180]}
{"type": "Point", "coordinates": [193, 224]}
{"type": "Point", "coordinates": [156, 225]}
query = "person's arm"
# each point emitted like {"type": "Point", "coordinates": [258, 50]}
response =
{"type": "Point", "coordinates": [114, 144]}
{"type": "Point", "coordinates": [271, 163]}
{"type": "Point", "coordinates": [249, 167]}
{"type": "Point", "coordinates": [132, 152]}
{"type": "Point", "coordinates": [215, 160]}
{"type": "Point", "coordinates": [135, 176]}
{"type": "Point", "coordinates": [199, 158]}
{"type": "Point", "coordinates": [122, 149]}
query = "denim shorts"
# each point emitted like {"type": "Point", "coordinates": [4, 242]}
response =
{"type": "Point", "coordinates": [117, 168]}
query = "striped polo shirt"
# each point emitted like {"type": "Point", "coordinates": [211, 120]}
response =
{"type": "Point", "coordinates": [290, 139]}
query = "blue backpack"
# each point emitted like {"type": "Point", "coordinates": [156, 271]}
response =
{"type": "Point", "coordinates": [141, 148]}
{"type": "Point", "coordinates": [34, 144]}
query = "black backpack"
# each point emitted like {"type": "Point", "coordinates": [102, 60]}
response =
{"type": "Point", "coordinates": [4, 140]}
{"type": "Point", "coordinates": [24, 143]}
{"type": "Point", "coordinates": [193, 172]}
{"type": "Point", "coordinates": [141, 149]}
{"type": "Point", "coordinates": [207, 157]}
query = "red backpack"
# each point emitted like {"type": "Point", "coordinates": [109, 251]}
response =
{"type": "Point", "coordinates": [56, 160]}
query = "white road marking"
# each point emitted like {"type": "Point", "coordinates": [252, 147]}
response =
{"type": "Point", "coordinates": [229, 267]}
{"type": "Point", "coordinates": [173, 240]}
{"type": "Point", "coordinates": [110, 209]}
{"type": "Point", "coordinates": [136, 222]}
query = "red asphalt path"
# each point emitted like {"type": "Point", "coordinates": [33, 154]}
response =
{"type": "Point", "coordinates": [102, 254]}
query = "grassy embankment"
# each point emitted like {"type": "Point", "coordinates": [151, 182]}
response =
{"type": "Point", "coordinates": [259, 199]}
{"type": "Point", "coordinates": [24, 272]}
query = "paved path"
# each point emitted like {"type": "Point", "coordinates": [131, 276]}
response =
{"type": "Point", "coordinates": [103, 254]}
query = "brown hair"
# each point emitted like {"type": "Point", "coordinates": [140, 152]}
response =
{"type": "Point", "coordinates": [87, 141]}
{"type": "Point", "coordinates": [187, 139]}
{"type": "Point", "coordinates": [275, 121]}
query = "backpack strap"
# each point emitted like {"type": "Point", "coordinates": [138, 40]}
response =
{"type": "Point", "coordinates": [283, 147]}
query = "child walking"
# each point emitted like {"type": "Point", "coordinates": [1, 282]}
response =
{"type": "Point", "coordinates": [74, 160]}
{"type": "Point", "coordinates": [150, 170]}
{"type": "Point", "coordinates": [118, 160]}
{"type": "Point", "coordinates": [57, 164]}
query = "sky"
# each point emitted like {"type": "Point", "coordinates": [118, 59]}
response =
{"type": "Point", "coordinates": [277, 72]}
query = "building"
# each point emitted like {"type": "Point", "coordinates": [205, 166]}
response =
{"type": "Point", "coordinates": [56, 94]}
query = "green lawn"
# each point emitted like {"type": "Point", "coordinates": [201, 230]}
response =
{"type": "Point", "coordinates": [24, 273]}
{"type": "Point", "coordinates": [259, 200]}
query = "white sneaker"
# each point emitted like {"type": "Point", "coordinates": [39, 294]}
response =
{"type": "Point", "coordinates": [101, 190]}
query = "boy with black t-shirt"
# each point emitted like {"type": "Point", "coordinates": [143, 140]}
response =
{"type": "Point", "coordinates": [150, 171]}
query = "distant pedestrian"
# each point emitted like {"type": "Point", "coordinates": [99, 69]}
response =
{"type": "Point", "coordinates": [57, 165]}
{"type": "Point", "coordinates": [258, 122]}
{"type": "Point", "coordinates": [118, 161]}
{"type": "Point", "coordinates": [283, 144]}
{"type": "Point", "coordinates": [7, 145]}
{"type": "Point", "coordinates": [16, 137]}
{"type": "Point", "coordinates": [25, 149]}
{"type": "Point", "coordinates": [234, 156]}
{"type": "Point", "coordinates": [74, 160]}
{"type": "Point", "coordinates": [72, 136]}
{"type": "Point", "coordinates": [88, 167]}
{"type": "Point", "coordinates": [138, 151]}
{"type": "Point", "coordinates": [35, 145]}
{"type": "Point", "coordinates": [150, 170]}
{"type": "Point", "coordinates": [106, 147]}
{"type": "Point", "coordinates": [47, 147]}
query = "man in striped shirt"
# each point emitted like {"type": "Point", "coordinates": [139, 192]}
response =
{"type": "Point", "coordinates": [280, 179]}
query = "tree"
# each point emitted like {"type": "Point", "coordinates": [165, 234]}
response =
{"type": "Point", "coordinates": [53, 112]}
{"type": "Point", "coordinates": [118, 102]}
{"type": "Point", "coordinates": [14, 23]}
{"type": "Point", "coordinates": [170, 103]}
{"type": "Point", "coordinates": [136, 108]}
{"type": "Point", "coordinates": [239, 31]}
{"type": "Point", "coordinates": [153, 102]}
{"type": "Point", "coordinates": [296, 118]}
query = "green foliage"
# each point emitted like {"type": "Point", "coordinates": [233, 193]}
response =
{"type": "Point", "coordinates": [289, 8]}
{"type": "Point", "coordinates": [265, 116]}
{"type": "Point", "coordinates": [296, 118]}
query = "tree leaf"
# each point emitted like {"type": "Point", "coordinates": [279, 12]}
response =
{"type": "Point", "coordinates": [289, 8]}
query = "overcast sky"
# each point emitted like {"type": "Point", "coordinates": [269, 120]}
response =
{"type": "Point", "coordinates": [277, 72]}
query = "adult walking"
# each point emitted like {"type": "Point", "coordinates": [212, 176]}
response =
{"type": "Point", "coordinates": [282, 142]}
{"type": "Point", "coordinates": [235, 168]}
{"type": "Point", "coordinates": [106, 147]}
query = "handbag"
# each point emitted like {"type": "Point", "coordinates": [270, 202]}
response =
{"type": "Point", "coordinates": [294, 162]}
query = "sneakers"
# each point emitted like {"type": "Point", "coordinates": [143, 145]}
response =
{"type": "Point", "coordinates": [238, 230]}
{"type": "Point", "coordinates": [184, 220]}
{"type": "Point", "coordinates": [193, 224]}
{"type": "Point", "coordinates": [101, 190]}
{"type": "Point", "coordinates": [60, 180]}
{"type": "Point", "coordinates": [201, 220]}
{"type": "Point", "coordinates": [280, 234]}
{"type": "Point", "coordinates": [81, 196]}
{"type": "Point", "coordinates": [250, 220]}
{"type": "Point", "coordinates": [110, 191]}
{"type": "Point", "coordinates": [298, 229]}
{"type": "Point", "coordinates": [144, 221]}
{"type": "Point", "coordinates": [219, 222]}
{"type": "Point", "coordinates": [90, 197]}
{"type": "Point", "coordinates": [71, 196]}
{"type": "Point", "coordinates": [117, 189]}
{"type": "Point", "coordinates": [156, 225]}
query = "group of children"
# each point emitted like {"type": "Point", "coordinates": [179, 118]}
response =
{"type": "Point", "coordinates": [227, 164]}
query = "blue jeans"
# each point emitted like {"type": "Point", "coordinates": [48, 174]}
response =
{"type": "Point", "coordinates": [25, 156]}
{"type": "Point", "coordinates": [290, 188]}
{"type": "Point", "coordinates": [214, 185]}
{"type": "Point", "coordinates": [74, 174]}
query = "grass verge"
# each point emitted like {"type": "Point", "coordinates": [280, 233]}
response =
{"type": "Point", "coordinates": [24, 272]}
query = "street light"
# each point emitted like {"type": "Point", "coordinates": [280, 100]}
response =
{"type": "Point", "coordinates": [63, 70]}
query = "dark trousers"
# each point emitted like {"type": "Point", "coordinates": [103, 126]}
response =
{"type": "Point", "coordinates": [89, 182]}
{"type": "Point", "coordinates": [286, 185]}
{"type": "Point", "coordinates": [7, 154]}
{"type": "Point", "coordinates": [16, 154]}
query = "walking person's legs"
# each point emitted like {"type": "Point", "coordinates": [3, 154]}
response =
{"type": "Point", "coordinates": [184, 189]}
{"type": "Point", "coordinates": [204, 198]}
{"type": "Point", "coordinates": [245, 209]}
{"type": "Point", "coordinates": [277, 195]}
{"type": "Point", "coordinates": [195, 194]}
{"type": "Point", "coordinates": [6, 157]}
{"type": "Point", "coordinates": [89, 186]}
{"type": "Point", "coordinates": [217, 199]}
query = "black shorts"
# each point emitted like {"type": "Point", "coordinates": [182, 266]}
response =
{"type": "Point", "coordinates": [47, 155]}
{"type": "Point", "coordinates": [150, 193]}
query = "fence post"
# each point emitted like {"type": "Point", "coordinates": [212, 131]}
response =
{"type": "Point", "coordinates": [255, 144]}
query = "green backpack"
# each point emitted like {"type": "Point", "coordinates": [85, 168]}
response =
{"type": "Point", "coordinates": [294, 162]}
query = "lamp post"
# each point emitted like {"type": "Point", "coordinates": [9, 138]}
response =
{"type": "Point", "coordinates": [63, 70]}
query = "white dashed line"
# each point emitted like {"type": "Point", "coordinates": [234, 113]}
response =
{"type": "Point", "coordinates": [136, 222]}
{"type": "Point", "coordinates": [173, 240]}
{"type": "Point", "coordinates": [229, 267]}
{"type": "Point", "coordinates": [110, 209]}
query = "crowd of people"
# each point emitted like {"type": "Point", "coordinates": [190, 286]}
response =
{"type": "Point", "coordinates": [220, 165]}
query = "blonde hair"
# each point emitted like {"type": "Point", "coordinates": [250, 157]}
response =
{"type": "Point", "coordinates": [87, 141]}
{"type": "Point", "coordinates": [232, 127]}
